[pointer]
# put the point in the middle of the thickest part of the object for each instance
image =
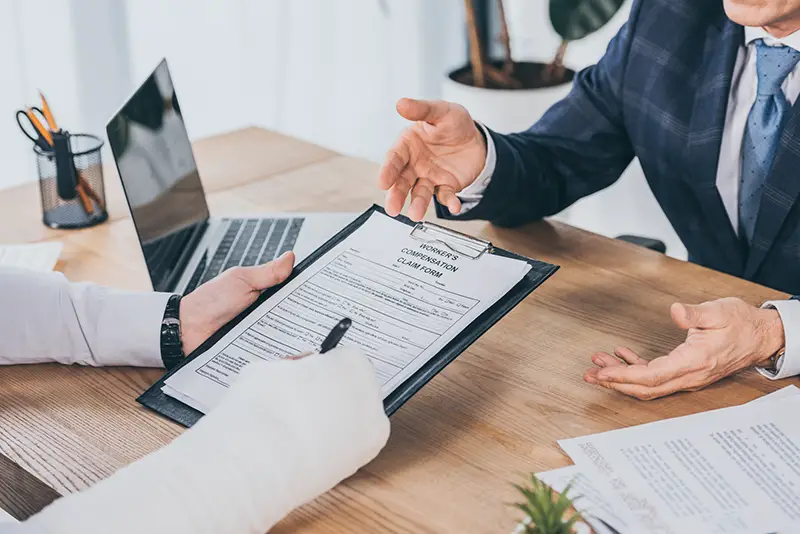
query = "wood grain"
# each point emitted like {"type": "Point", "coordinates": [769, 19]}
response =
{"type": "Point", "coordinates": [21, 493]}
{"type": "Point", "coordinates": [490, 417]}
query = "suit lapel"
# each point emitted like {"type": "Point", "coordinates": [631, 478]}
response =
{"type": "Point", "coordinates": [780, 193]}
{"type": "Point", "coordinates": [721, 47]}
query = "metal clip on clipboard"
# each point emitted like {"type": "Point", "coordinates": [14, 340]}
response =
{"type": "Point", "coordinates": [466, 245]}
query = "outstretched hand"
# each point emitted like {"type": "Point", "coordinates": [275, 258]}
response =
{"type": "Point", "coordinates": [440, 154]}
{"type": "Point", "coordinates": [724, 336]}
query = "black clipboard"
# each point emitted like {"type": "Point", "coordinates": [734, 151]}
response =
{"type": "Point", "coordinates": [179, 412]}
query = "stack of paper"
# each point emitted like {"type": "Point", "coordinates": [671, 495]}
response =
{"type": "Point", "coordinates": [37, 257]}
{"type": "Point", "coordinates": [407, 298]}
{"type": "Point", "coordinates": [735, 470]}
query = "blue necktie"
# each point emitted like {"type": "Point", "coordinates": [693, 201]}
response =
{"type": "Point", "coordinates": [763, 131]}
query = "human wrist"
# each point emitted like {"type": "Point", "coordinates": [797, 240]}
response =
{"type": "Point", "coordinates": [773, 337]}
{"type": "Point", "coordinates": [194, 324]}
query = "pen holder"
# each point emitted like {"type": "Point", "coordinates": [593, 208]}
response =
{"type": "Point", "coordinates": [71, 181]}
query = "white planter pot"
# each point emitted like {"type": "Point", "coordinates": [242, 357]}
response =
{"type": "Point", "coordinates": [504, 110]}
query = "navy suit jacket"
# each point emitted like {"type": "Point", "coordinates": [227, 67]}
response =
{"type": "Point", "coordinates": [659, 94]}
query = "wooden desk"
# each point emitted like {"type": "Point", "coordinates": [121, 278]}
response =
{"type": "Point", "coordinates": [494, 413]}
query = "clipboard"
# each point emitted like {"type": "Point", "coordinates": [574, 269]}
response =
{"type": "Point", "coordinates": [157, 401]}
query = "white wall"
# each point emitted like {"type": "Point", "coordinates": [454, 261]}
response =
{"type": "Point", "coordinates": [324, 71]}
{"type": "Point", "coordinates": [36, 51]}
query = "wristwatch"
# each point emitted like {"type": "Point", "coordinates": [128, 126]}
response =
{"type": "Point", "coordinates": [773, 365]}
{"type": "Point", "coordinates": [171, 343]}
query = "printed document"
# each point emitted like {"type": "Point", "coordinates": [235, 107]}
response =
{"type": "Point", "coordinates": [735, 470]}
{"type": "Point", "coordinates": [407, 299]}
{"type": "Point", "coordinates": [594, 499]}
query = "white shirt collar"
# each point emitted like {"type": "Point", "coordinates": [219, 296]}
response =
{"type": "Point", "coordinates": [752, 33]}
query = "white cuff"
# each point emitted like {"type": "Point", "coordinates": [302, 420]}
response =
{"type": "Point", "coordinates": [126, 326]}
{"type": "Point", "coordinates": [472, 194]}
{"type": "Point", "coordinates": [789, 364]}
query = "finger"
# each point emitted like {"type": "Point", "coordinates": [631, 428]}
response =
{"type": "Point", "coordinates": [604, 359]}
{"type": "Point", "coordinates": [590, 376]}
{"type": "Point", "coordinates": [656, 372]}
{"type": "Point", "coordinates": [447, 197]}
{"type": "Point", "coordinates": [646, 392]}
{"type": "Point", "coordinates": [629, 357]}
{"type": "Point", "coordinates": [263, 276]}
{"type": "Point", "coordinates": [705, 315]}
{"type": "Point", "coordinates": [394, 163]}
{"type": "Point", "coordinates": [396, 196]}
{"type": "Point", "coordinates": [421, 195]}
{"type": "Point", "coordinates": [430, 111]}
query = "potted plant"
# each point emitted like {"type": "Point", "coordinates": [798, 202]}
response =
{"type": "Point", "coordinates": [510, 95]}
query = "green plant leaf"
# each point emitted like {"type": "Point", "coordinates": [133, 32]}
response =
{"type": "Point", "coordinates": [575, 19]}
{"type": "Point", "coordinates": [545, 513]}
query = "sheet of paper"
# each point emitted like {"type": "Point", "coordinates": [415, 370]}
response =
{"type": "Point", "coordinates": [407, 299]}
{"type": "Point", "coordinates": [782, 393]}
{"type": "Point", "coordinates": [735, 470]}
{"type": "Point", "coordinates": [594, 498]}
{"type": "Point", "coordinates": [36, 257]}
{"type": "Point", "coordinates": [5, 517]}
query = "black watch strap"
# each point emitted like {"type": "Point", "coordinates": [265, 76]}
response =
{"type": "Point", "coordinates": [171, 343]}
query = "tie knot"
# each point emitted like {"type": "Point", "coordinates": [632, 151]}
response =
{"type": "Point", "coordinates": [773, 65]}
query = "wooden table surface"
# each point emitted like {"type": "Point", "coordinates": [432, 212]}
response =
{"type": "Point", "coordinates": [491, 416]}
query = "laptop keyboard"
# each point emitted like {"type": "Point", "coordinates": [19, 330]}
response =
{"type": "Point", "coordinates": [247, 242]}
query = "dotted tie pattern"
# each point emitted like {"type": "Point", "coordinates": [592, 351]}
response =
{"type": "Point", "coordinates": [763, 131]}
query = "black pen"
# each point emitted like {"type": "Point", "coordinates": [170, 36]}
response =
{"type": "Point", "coordinates": [335, 336]}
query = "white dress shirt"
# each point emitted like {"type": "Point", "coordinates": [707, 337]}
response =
{"type": "Point", "coordinates": [742, 97]}
{"type": "Point", "coordinates": [44, 318]}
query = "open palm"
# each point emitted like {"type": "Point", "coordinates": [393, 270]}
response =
{"type": "Point", "coordinates": [441, 153]}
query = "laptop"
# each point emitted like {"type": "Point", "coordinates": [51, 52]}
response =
{"type": "Point", "coordinates": [183, 245]}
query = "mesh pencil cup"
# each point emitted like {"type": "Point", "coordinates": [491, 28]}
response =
{"type": "Point", "coordinates": [71, 181]}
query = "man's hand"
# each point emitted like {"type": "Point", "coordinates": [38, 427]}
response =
{"type": "Point", "coordinates": [441, 153]}
{"type": "Point", "coordinates": [212, 305]}
{"type": "Point", "coordinates": [725, 336]}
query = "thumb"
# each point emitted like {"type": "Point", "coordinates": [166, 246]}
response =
{"type": "Point", "coordinates": [705, 315]}
{"type": "Point", "coordinates": [270, 274]}
{"type": "Point", "coordinates": [430, 111]}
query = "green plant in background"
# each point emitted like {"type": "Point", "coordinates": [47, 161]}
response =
{"type": "Point", "coordinates": [571, 19]}
{"type": "Point", "coordinates": [575, 19]}
{"type": "Point", "coordinates": [546, 514]}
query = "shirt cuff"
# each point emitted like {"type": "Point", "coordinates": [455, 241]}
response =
{"type": "Point", "coordinates": [472, 194]}
{"type": "Point", "coordinates": [133, 322]}
{"type": "Point", "coordinates": [789, 364]}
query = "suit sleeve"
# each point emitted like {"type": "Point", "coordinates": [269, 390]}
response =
{"type": "Point", "coordinates": [579, 146]}
{"type": "Point", "coordinates": [45, 318]}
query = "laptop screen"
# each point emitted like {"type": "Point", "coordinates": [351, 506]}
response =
{"type": "Point", "coordinates": [159, 175]}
